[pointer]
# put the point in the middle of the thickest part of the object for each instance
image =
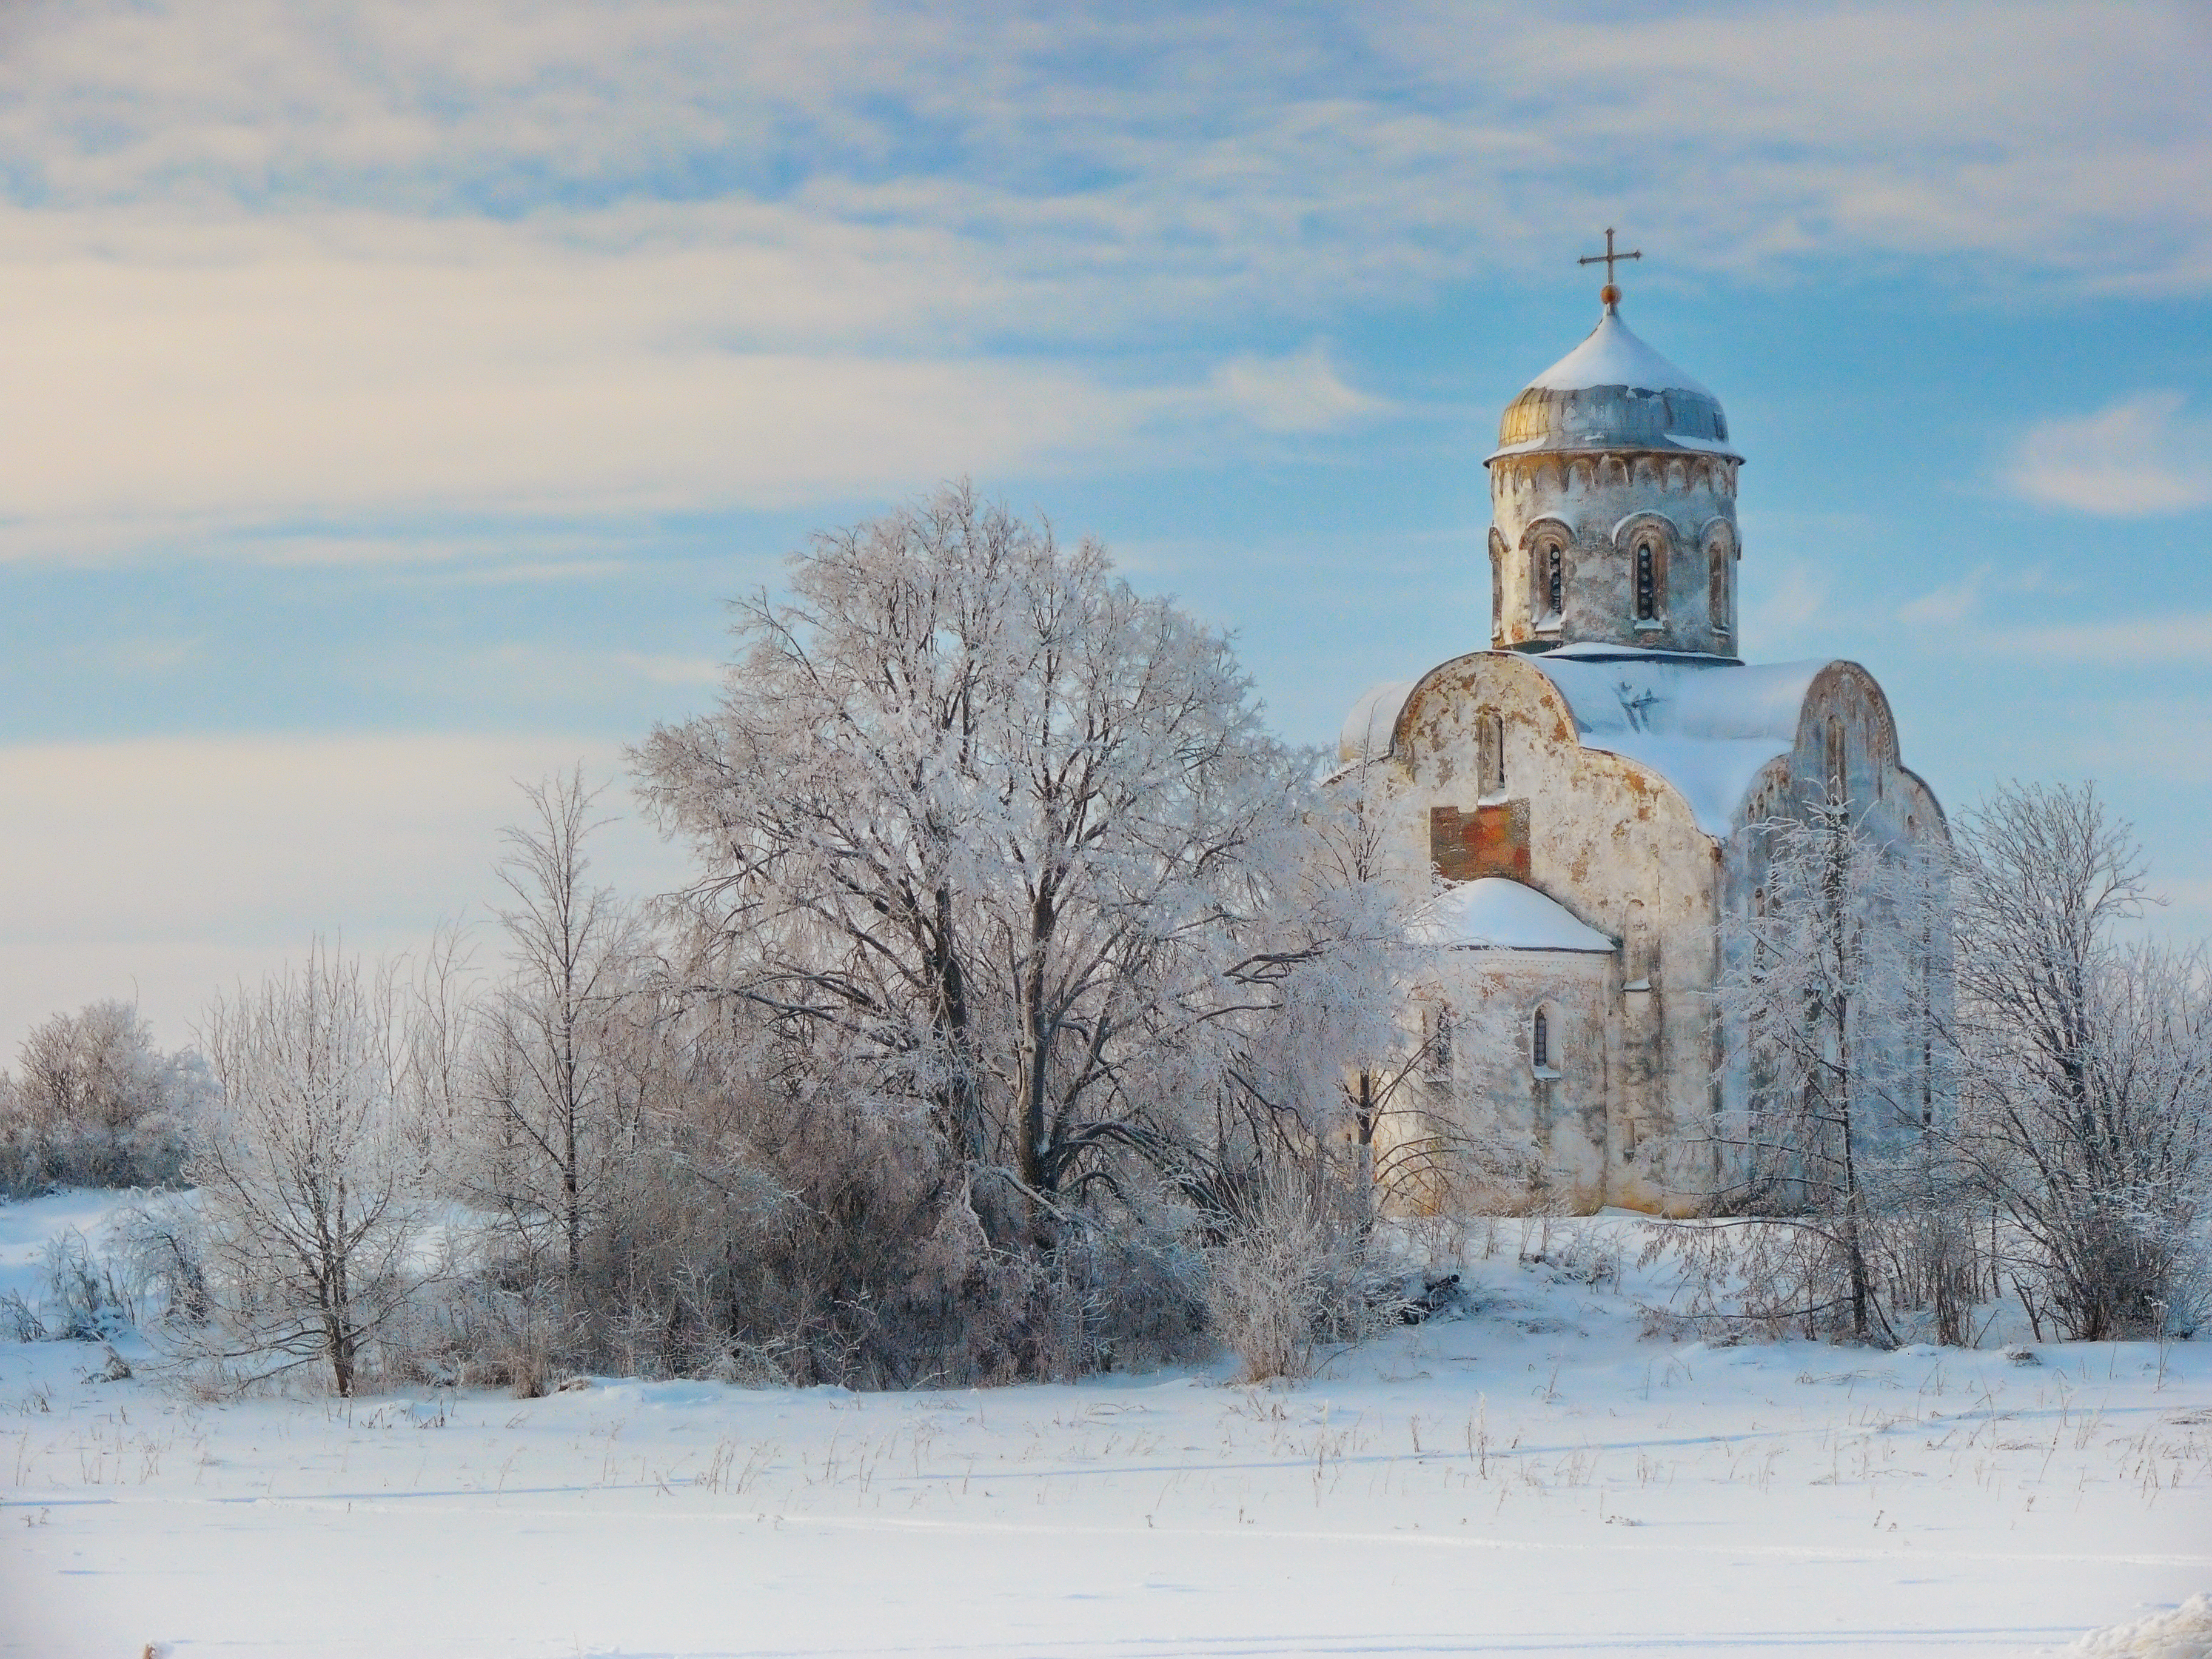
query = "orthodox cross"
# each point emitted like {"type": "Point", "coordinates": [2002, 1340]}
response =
{"type": "Point", "coordinates": [1609, 294]}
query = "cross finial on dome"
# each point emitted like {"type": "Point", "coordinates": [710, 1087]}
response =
{"type": "Point", "coordinates": [1609, 295]}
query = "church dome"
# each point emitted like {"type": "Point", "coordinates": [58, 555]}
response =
{"type": "Point", "coordinates": [1614, 392]}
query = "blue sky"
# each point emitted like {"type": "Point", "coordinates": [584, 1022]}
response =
{"type": "Point", "coordinates": [390, 394]}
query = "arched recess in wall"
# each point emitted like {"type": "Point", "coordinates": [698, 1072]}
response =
{"type": "Point", "coordinates": [1544, 1055]}
{"type": "Point", "coordinates": [1490, 752]}
{"type": "Point", "coordinates": [1437, 1052]}
{"type": "Point", "coordinates": [1646, 541]}
{"type": "Point", "coordinates": [1546, 541]}
{"type": "Point", "coordinates": [1720, 578]}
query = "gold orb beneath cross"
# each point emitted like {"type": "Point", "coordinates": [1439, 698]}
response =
{"type": "Point", "coordinates": [1609, 295]}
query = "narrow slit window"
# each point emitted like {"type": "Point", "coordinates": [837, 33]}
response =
{"type": "Point", "coordinates": [1719, 594]}
{"type": "Point", "coordinates": [1539, 1040]}
{"type": "Point", "coordinates": [1555, 580]}
{"type": "Point", "coordinates": [1490, 743]}
{"type": "Point", "coordinates": [1647, 587]}
{"type": "Point", "coordinates": [1439, 1066]}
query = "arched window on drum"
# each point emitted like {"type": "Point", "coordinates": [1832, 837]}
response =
{"type": "Point", "coordinates": [1647, 575]}
{"type": "Point", "coordinates": [1720, 584]}
{"type": "Point", "coordinates": [1547, 579]}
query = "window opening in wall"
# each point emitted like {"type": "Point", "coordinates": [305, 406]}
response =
{"type": "Point", "coordinates": [1836, 780]}
{"type": "Point", "coordinates": [1490, 744]}
{"type": "Point", "coordinates": [1439, 1066]}
{"type": "Point", "coordinates": [1647, 589]}
{"type": "Point", "coordinates": [1719, 598]}
{"type": "Point", "coordinates": [1540, 1042]}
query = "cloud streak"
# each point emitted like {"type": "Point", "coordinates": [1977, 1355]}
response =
{"type": "Point", "coordinates": [592, 257]}
{"type": "Point", "coordinates": [182, 863]}
{"type": "Point", "coordinates": [2141, 456]}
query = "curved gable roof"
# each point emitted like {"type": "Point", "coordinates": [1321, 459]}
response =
{"type": "Point", "coordinates": [1707, 725]}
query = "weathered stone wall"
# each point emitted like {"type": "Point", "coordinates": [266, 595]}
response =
{"type": "Point", "coordinates": [1595, 507]}
{"type": "Point", "coordinates": [1485, 1128]}
{"type": "Point", "coordinates": [1615, 845]}
{"type": "Point", "coordinates": [1846, 746]}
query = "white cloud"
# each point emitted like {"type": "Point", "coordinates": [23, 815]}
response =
{"type": "Point", "coordinates": [1300, 394]}
{"type": "Point", "coordinates": [1952, 603]}
{"type": "Point", "coordinates": [607, 255]}
{"type": "Point", "coordinates": [259, 371]}
{"type": "Point", "coordinates": [2146, 454]}
{"type": "Point", "coordinates": [2184, 638]}
{"type": "Point", "coordinates": [1959, 601]}
{"type": "Point", "coordinates": [182, 863]}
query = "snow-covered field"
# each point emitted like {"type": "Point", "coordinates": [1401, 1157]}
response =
{"type": "Point", "coordinates": [1532, 1477]}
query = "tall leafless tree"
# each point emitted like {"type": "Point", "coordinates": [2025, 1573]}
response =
{"type": "Point", "coordinates": [1827, 995]}
{"type": "Point", "coordinates": [553, 1066]}
{"type": "Point", "coordinates": [2085, 1065]}
{"type": "Point", "coordinates": [974, 811]}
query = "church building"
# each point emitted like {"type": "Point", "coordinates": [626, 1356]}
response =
{"type": "Point", "coordinates": [1578, 803]}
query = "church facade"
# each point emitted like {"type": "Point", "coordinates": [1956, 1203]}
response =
{"type": "Point", "coordinates": [1574, 808]}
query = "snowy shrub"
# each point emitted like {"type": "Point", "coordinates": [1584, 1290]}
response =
{"type": "Point", "coordinates": [471, 1331]}
{"type": "Point", "coordinates": [1291, 1274]}
{"type": "Point", "coordinates": [19, 1320]}
{"type": "Point", "coordinates": [96, 1104]}
{"type": "Point", "coordinates": [83, 1301]}
{"type": "Point", "coordinates": [159, 1252]}
{"type": "Point", "coordinates": [2182, 1632]}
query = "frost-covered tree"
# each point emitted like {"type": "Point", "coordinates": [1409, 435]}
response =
{"type": "Point", "coordinates": [1338, 1048]}
{"type": "Point", "coordinates": [975, 813]}
{"type": "Point", "coordinates": [554, 1073]}
{"type": "Point", "coordinates": [2085, 1065]}
{"type": "Point", "coordinates": [309, 1186]}
{"type": "Point", "coordinates": [1829, 998]}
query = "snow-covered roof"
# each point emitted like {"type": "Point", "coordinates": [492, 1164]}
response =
{"type": "Point", "coordinates": [1496, 912]}
{"type": "Point", "coordinates": [1367, 728]}
{"type": "Point", "coordinates": [1614, 391]}
{"type": "Point", "coordinates": [1615, 355]}
{"type": "Point", "coordinates": [1707, 725]}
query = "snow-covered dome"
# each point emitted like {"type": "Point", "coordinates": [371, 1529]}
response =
{"type": "Point", "coordinates": [1613, 392]}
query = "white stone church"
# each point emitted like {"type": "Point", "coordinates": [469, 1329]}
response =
{"type": "Point", "coordinates": [1583, 789]}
